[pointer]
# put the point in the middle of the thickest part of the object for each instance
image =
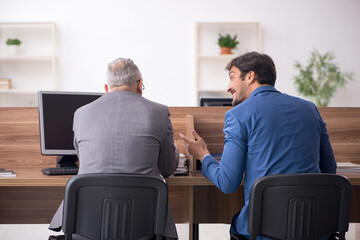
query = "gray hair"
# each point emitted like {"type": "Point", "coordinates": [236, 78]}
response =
{"type": "Point", "coordinates": [122, 72]}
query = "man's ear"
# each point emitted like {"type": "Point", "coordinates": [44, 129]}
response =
{"type": "Point", "coordinates": [139, 87]}
{"type": "Point", "coordinates": [251, 77]}
{"type": "Point", "coordinates": [106, 87]}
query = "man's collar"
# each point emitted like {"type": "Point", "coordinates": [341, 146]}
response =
{"type": "Point", "coordinates": [266, 88]}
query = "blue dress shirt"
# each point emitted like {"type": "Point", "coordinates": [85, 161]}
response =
{"type": "Point", "coordinates": [269, 133]}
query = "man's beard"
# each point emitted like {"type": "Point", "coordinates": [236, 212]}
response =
{"type": "Point", "coordinates": [235, 101]}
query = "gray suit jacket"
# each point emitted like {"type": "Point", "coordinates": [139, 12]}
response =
{"type": "Point", "coordinates": [124, 132]}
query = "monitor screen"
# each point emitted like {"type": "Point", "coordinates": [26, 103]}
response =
{"type": "Point", "coordinates": [216, 102]}
{"type": "Point", "coordinates": [56, 113]}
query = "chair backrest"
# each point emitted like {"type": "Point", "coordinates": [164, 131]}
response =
{"type": "Point", "coordinates": [299, 206]}
{"type": "Point", "coordinates": [115, 206]}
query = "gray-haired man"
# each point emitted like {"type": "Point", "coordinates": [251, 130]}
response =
{"type": "Point", "coordinates": [124, 132]}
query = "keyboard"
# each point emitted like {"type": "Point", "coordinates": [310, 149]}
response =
{"type": "Point", "coordinates": [60, 171]}
{"type": "Point", "coordinates": [181, 172]}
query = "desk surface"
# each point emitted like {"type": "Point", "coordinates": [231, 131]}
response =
{"type": "Point", "coordinates": [32, 197]}
{"type": "Point", "coordinates": [31, 177]}
{"type": "Point", "coordinates": [34, 177]}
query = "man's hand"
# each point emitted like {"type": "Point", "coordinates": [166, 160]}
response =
{"type": "Point", "coordinates": [197, 148]}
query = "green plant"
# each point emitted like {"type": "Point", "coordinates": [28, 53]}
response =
{"type": "Point", "coordinates": [320, 79]}
{"type": "Point", "coordinates": [14, 41]}
{"type": "Point", "coordinates": [227, 41]}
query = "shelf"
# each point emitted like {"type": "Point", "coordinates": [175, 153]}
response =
{"type": "Point", "coordinates": [28, 24]}
{"type": "Point", "coordinates": [229, 56]}
{"type": "Point", "coordinates": [214, 94]}
{"type": "Point", "coordinates": [213, 91]}
{"type": "Point", "coordinates": [19, 91]}
{"type": "Point", "coordinates": [211, 77]}
{"type": "Point", "coordinates": [33, 67]}
{"type": "Point", "coordinates": [248, 34]}
{"type": "Point", "coordinates": [226, 24]}
{"type": "Point", "coordinates": [27, 58]}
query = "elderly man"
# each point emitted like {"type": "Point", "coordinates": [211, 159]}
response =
{"type": "Point", "coordinates": [124, 132]}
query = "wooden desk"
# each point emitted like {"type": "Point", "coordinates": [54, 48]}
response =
{"type": "Point", "coordinates": [32, 197]}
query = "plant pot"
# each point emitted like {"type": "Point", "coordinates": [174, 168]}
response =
{"type": "Point", "coordinates": [225, 50]}
{"type": "Point", "coordinates": [12, 49]}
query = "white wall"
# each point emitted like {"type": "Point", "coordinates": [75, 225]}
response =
{"type": "Point", "coordinates": [159, 35]}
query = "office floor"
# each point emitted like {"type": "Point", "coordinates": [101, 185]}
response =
{"type": "Point", "coordinates": [207, 231]}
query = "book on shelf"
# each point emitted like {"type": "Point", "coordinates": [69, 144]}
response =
{"type": "Point", "coordinates": [5, 83]}
{"type": "Point", "coordinates": [7, 173]}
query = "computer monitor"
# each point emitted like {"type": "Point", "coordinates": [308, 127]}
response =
{"type": "Point", "coordinates": [216, 102]}
{"type": "Point", "coordinates": [56, 113]}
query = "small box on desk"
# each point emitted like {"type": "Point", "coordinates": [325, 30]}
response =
{"type": "Point", "coordinates": [5, 83]}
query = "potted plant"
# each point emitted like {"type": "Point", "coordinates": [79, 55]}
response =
{"type": "Point", "coordinates": [227, 43]}
{"type": "Point", "coordinates": [320, 79]}
{"type": "Point", "coordinates": [13, 45]}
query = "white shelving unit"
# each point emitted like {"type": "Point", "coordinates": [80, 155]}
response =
{"type": "Point", "coordinates": [33, 68]}
{"type": "Point", "coordinates": [211, 76]}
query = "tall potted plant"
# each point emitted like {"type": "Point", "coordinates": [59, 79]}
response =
{"type": "Point", "coordinates": [13, 45]}
{"type": "Point", "coordinates": [226, 43]}
{"type": "Point", "coordinates": [320, 79]}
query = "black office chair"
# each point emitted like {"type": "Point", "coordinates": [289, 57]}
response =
{"type": "Point", "coordinates": [299, 206]}
{"type": "Point", "coordinates": [115, 206]}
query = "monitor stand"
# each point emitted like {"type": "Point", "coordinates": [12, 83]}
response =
{"type": "Point", "coordinates": [66, 161]}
